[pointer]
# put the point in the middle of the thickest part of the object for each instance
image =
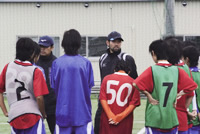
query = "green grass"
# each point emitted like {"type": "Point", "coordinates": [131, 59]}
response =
{"type": "Point", "coordinates": [137, 126]}
{"type": "Point", "coordinates": [139, 117]}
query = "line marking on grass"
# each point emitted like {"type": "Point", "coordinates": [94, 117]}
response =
{"type": "Point", "coordinates": [142, 131]}
{"type": "Point", "coordinates": [139, 122]}
{"type": "Point", "coordinates": [3, 123]}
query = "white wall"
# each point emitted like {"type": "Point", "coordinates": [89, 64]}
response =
{"type": "Point", "coordinates": [139, 23]}
{"type": "Point", "coordinates": [187, 20]}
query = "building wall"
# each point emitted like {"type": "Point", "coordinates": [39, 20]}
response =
{"type": "Point", "coordinates": [139, 23]}
{"type": "Point", "coordinates": [188, 18]}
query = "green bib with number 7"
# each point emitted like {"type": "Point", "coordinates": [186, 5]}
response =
{"type": "Point", "coordinates": [163, 115]}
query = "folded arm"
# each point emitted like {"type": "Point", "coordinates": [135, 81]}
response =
{"type": "Point", "coordinates": [119, 117]}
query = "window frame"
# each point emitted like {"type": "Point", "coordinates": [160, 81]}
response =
{"type": "Point", "coordinates": [92, 58]}
{"type": "Point", "coordinates": [56, 51]}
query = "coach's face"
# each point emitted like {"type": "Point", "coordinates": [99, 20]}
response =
{"type": "Point", "coordinates": [114, 45]}
{"type": "Point", "coordinates": [45, 51]}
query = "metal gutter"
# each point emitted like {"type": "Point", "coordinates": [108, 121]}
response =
{"type": "Point", "coordinates": [20, 1]}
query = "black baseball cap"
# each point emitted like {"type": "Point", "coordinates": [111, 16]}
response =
{"type": "Point", "coordinates": [114, 35]}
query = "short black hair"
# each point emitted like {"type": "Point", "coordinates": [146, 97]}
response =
{"type": "Point", "coordinates": [37, 49]}
{"type": "Point", "coordinates": [122, 65]}
{"type": "Point", "coordinates": [175, 49]}
{"type": "Point", "coordinates": [189, 43]}
{"type": "Point", "coordinates": [193, 55]}
{"type": "Point", "coordinates": [71, 42]}
{"type": "Point", "coordinates": [24, 49]}
{"type": "Point", "coordinates": [159, 47]}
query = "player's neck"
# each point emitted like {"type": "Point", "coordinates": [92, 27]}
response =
{"type": "Point", "coordinates": [121, 71]}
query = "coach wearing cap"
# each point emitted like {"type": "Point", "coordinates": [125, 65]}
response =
{"type": "Point", "coordinates": [45, 61]}
{"type": "Point", "coordinates": [107, 64]}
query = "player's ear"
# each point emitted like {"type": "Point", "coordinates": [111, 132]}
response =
{"type": "Point", "coordinates": [187, 61]}
{"type": "Point", "coordinates": [152, 53]}
{"type": "Point", "coordinates": [129, 72]}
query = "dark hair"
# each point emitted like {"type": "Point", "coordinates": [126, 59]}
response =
{"type": "Point", "coordinates": [175, 50]}
{"type": "Point", "coordinates": [37, 49]}
{"type": "Point", "coordinates": [24, 49]}
{"type": "Point", "coordinates": [71, 42]}
{"type": "Point", "coordinates": [189, 43]}
{"type": "Point", "coordinates": [159, 47]}
{"type": "Point", "coordinates": [122, 65]}
{"type": "Point", "coordinates": [193, 55]}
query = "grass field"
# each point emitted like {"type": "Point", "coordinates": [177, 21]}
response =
{"type": "Point", "coordinates": [138, 118]}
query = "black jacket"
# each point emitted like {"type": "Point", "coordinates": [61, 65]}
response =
{"type": "Point", "coordinates": [108, 61]}
{"type": "Point", "coordinates": [50, 99]}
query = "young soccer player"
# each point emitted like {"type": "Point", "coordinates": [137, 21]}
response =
{"type": "Point", "coordinates": [191, 57]}
{"type": "Point", "coordinates": [72, 80]}
{"type": "Point", "coordinates": [118, 98]}
{"type": "Point", "coordinates": [175, 57]}
{"type": "Point", "coordinates": [25, 86]}
{"type": "Point", "coordinates": [163, 83]}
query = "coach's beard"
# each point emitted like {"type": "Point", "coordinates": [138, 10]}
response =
{"type": "Point", "coordinates": [116, 51]}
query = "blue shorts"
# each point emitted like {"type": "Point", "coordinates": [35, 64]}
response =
{"type": "Point", "coordinates": [183, 132]}
{"type": "Point", "coordinates": [85, 129]}
{"type": "Point", "coordinates": [38, 128]}
{"type": "Point", "coordinates": [150, 130]}
{"type": "Point", "coordinates": [194, 130]}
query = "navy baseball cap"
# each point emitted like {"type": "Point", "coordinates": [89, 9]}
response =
{"type": "Point", "coordinates": [114, 35]}
{"type": "Point", "coordinates": [46, 41]}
